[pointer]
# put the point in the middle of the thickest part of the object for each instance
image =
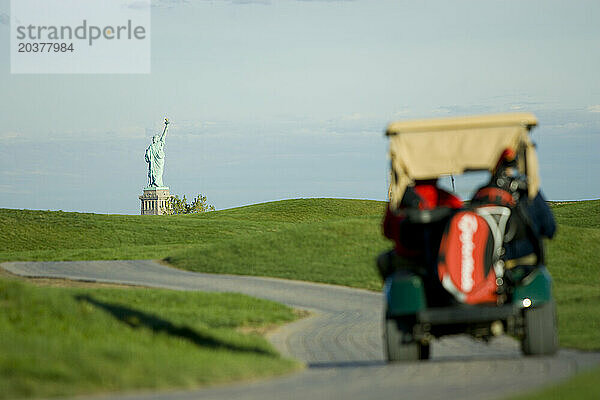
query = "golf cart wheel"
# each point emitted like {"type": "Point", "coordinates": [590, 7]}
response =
{"type": "Point", "coordinates": [399, 342]}
{"type": "Point", "coordinates": [541, 336]}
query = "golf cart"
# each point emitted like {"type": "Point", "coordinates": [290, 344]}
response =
{"type": "Point", "coordinates": [463, 283]}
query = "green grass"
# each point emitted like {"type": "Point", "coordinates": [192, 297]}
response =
{"type": "Point", "coordinates": [44, 235]}
{"type": "Point", "coordinates": [573, 262]}
{"type": "Point", "coordinates": [320, 240]}
{"type": "Point", "coordinates": [68, 341]}
{"type": "Point", "coordinates": [339, 250]}
{"type": "Point", "coordinates": [583, 386]}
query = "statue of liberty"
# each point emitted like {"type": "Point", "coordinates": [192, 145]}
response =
{"type": "Point", "coordinates": [155, 157]}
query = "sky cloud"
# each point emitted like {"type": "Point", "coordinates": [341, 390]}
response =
{"type": "Point", "coordinates": [10, 135]}
{"type": "Point", "coordinates": [37, 172]}
{"type": "Point", "coordinates": [159, 3]}
{"type": "Point", "coordinates": [595, 108]}
{"type": "Point", "coordinates": [138, 4]}
{"type": "Point", "coordinates": [10, 189]}
{"type": "Point", "coordinates": [263, 2]}
{"type": "Point", "coordinates": [176, 3]}
{"type": "Point", "coordinates": [326, 1]}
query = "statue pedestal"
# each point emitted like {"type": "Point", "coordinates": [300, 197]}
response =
{"type": "Point", "coordinates": [155, 201]}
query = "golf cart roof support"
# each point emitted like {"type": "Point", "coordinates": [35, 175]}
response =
{"type": "Point", "coordinates": [427, 149]}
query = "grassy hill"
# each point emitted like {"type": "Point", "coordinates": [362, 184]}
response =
{"type": "Point", "coordinates": [573, 262]}
{"type": "Point", "coordinates": [59, 341]}
{"type": "Point", "coordinates": [321, 240]}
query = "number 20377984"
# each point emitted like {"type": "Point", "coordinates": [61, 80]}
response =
{"type": "Point", "coordinates": [47, 47]}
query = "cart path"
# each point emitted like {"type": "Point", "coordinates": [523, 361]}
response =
{"type": "Point", "coordinates": [340, 342]}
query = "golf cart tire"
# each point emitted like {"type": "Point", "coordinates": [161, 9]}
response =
{"type": "Point", "coordinates": [541, 335]}
{"type": "Point", "coordinates": [399, 343]}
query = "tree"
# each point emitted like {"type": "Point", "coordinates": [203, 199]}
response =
{"type": "Point", "coordinates": [181, 205]}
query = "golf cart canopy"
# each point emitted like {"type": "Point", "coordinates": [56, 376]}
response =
{"type": "Point", "coordinates": [427, 149]}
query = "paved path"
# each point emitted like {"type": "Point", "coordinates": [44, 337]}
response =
{"type": "Point", "coordinates": [341, 342]}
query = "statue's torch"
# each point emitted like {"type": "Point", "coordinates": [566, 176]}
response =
{"type": "Point", "coordinates": [165, 130]}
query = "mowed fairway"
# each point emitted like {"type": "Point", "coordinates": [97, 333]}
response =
{"type": "Point", "coordinates": [573, 260]}
{"type": "Point", "coordinates": [321, 240]}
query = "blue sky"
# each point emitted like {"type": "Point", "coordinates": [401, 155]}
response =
{"type": "Point", "coordinates": [285, 99]}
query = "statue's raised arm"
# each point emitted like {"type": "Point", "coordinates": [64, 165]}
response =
{"type": "Point", "coordinates": [162, 137]}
